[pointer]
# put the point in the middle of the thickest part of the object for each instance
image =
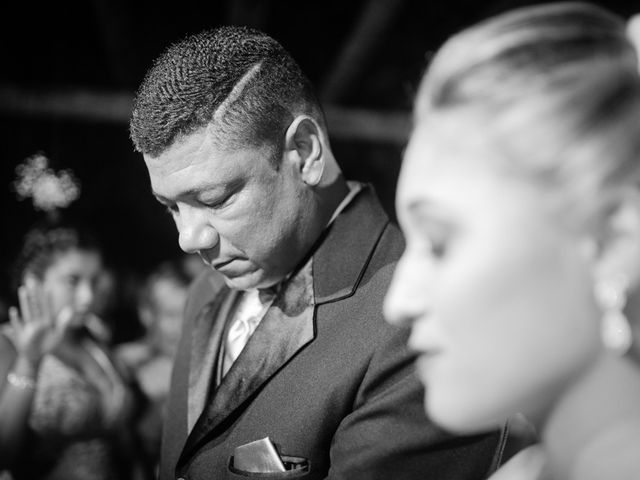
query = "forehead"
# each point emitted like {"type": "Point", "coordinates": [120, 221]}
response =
{"type": "Point", "coordinates": [168, 292]}
{"type": "Point", "coordinates": [75, 260]}
{"type": "Point", "coordinates": [444, 152]}
{"type": "Point", "coordinates": [198, 161]}
{"type": "Point", "coordinates": [167, 286]}
{"type": "Point", "coordinates": [462, 174]}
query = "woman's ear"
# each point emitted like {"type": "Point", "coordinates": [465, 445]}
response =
{"type": "Point", "coordinates": [618, 239]}
{"type": "Point", "coordinates": [303, 144]}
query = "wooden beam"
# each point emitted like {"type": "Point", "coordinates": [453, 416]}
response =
{"type": "Point", "coordinates": [250, 13]}
{"type": "Point", "coordinates": [359, 49]}
{"type": "Point", "coordinates": [83, 104]}
{"type": "Point", "coordinates": [115, 107]}
{"type": "Point", "coordinates": [370, 126]}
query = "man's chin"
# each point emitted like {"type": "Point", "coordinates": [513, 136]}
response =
{"type": "Point", "coordinates": [242, 282]}
{"type": "Point", "coordinates": [249, 281]}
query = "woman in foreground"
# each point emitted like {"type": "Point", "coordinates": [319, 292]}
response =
{"type": "Point", "coordinates": [520, 200]}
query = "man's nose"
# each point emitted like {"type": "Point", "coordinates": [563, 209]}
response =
{"type": "Point", "coordinates": [195, 233]}
{"type": "Point", "coordinates": [406, 299]}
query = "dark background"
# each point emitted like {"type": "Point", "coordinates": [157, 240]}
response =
{"type": "Point", "coordinates": [364, 56]}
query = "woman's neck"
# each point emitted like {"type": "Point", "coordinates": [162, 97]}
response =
{"type": "Point", "coordinates": [593, 417]}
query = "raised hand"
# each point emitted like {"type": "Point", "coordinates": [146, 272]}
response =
{"type": "Point", "coordinates": [633, 32]}
{"type": "Point", "coordinates": [37, 331]}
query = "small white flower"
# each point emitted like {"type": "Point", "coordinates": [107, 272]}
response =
{"type": "Point", "coordinates": [48, 190]}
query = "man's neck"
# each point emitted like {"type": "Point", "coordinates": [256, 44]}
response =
{"type": "Point", "coordinates": [332, 196]}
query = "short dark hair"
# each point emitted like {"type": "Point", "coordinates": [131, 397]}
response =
{"type": "Point", "coordinates": [45, 241]}
{"type": "Point", "coordinates": [241, 76]}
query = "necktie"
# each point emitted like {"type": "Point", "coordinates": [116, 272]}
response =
{"type": "Point", "coordinates": [237, 338]}
{"type": "Point", "coordinates": [250, 311]}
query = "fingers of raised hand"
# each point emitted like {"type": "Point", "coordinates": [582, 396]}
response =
{"type": "Point", "coordinates": [34, 304]}
{"type": "Point", "coordinates": [23, 301]}
{"type": "Point", "coordinates": [633, 33]}
{"type": "Point", "coordinates": [14, 318]}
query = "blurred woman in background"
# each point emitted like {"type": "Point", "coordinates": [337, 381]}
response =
{"type": "Point", "coordinates": [520, 200]}
{"type": "Point", "coordinates": [65, 402]}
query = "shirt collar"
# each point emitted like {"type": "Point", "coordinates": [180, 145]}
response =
{"type": "Point", "coordinates": [354, 189]}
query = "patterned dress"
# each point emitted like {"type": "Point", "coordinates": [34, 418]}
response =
{"type": "Point", "coordinates": [74, 420]}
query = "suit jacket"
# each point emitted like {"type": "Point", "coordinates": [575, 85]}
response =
{"type": "Point", "coordinates": [323, 376]}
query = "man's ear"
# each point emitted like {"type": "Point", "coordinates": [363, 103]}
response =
{"type": "Point", "coordinates": [618, 239]}
{"type": "Point", "coordinates": [303, 143]}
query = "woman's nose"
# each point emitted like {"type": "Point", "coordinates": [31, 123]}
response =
{"type": "Point", "coordinates": [195, 233]}
{"type": "Point", "coordinates": [406, 299]}
{"type": "Point", "coordinates": [85, 294]}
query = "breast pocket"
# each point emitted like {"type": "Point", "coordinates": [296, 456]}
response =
{"type": "Point", "coordinates": [297, 467]}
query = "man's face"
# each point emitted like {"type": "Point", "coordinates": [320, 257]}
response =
{"type": "Point", "coordinates": [246, 219]}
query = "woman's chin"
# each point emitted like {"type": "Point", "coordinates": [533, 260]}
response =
{"type": "Point", "coordinates": [464, 421]}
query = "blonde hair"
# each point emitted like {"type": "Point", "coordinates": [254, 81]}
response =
{"type": "Point", "coordinates": [554, 87]}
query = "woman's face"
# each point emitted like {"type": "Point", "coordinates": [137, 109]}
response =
{"type": "Point", "coordinates": [71, 280]}
{"type": "Point", "coordinates": [497, 292]}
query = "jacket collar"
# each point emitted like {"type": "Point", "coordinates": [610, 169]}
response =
{"type": "Point", "coordinates": [344, 252]}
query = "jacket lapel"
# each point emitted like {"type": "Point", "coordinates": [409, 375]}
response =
{"type": "Point", "coordinates": [344, 253]}
{"type": "Point", "coordinates": [285, 329]}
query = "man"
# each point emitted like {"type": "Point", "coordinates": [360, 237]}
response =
{"type": "Point", "coordinates": [292, 344]}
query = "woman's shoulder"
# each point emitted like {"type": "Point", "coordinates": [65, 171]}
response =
{"type": "Point", "coordinates": [527, 464]}
{"type": "Point", "coordinates": [614, 455]}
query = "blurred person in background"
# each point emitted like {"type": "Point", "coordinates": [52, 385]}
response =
{"type": "Point", "coordinates": [161, 304]}
{"type": "Point", "coordinates": [520, 200]}
{"type": "Point", "coordinates": [66, 403]}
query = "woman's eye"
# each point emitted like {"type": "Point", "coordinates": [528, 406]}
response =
{"type": "Point", "coordinates": [436, 244]}
{"type": "Point", "coordinates": [438, 248]}
{"type": "Point", "coordinates": [432, 232]}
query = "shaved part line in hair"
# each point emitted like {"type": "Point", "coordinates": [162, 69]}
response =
{"type": "Point", "coordinates": [235, 93]}
{"type": "Point", "coordinates": [222, 128]}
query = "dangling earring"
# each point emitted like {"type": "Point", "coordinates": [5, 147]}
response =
{"type": "Point", "coordinates": [614, 327]}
